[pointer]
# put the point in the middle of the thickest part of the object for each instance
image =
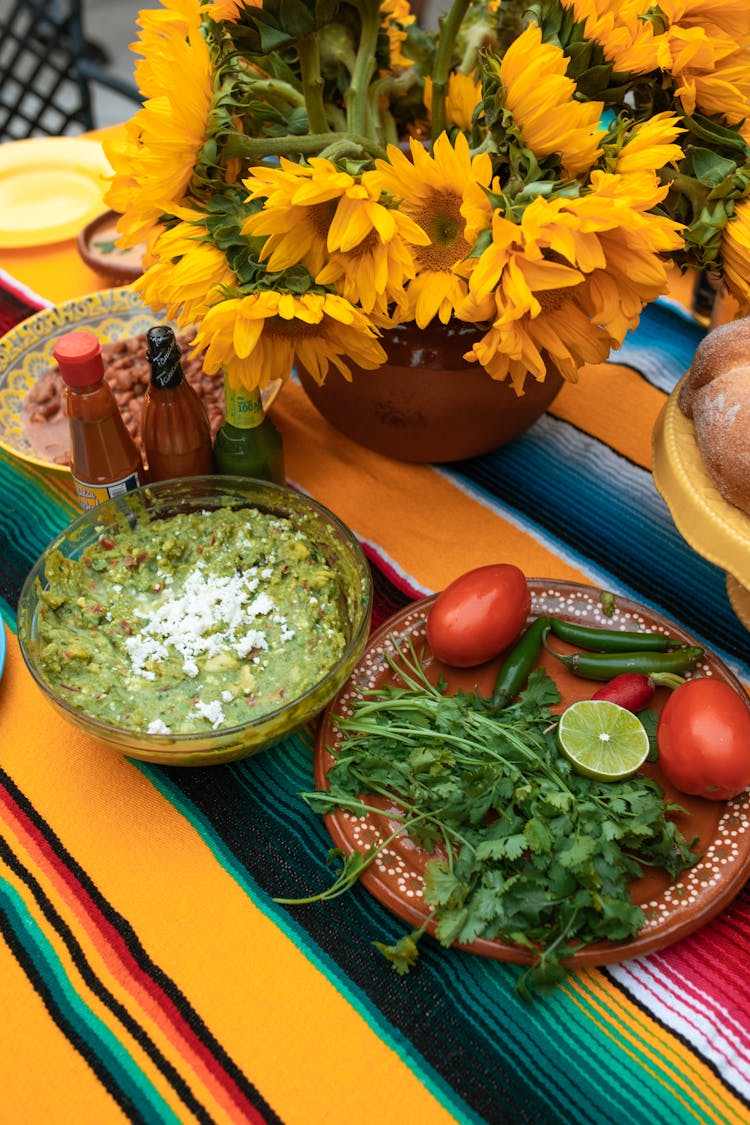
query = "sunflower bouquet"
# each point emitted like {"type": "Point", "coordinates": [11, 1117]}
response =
{"type": "Point", "coordinates": [307, 174]}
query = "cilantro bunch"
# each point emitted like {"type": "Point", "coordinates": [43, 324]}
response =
{"type": "Point", "coordinates": [524, 850]}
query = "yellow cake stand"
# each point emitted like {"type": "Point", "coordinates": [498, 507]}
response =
{"type": "Point", "coordinates": [716, 529]}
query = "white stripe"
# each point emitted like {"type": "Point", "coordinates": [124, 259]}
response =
{"type": "Point", "coordinates": [394, 566]}
{"type": "Point", "coordinates": [709, 1028]}
{"type": "Point", "coordinates": [21, 290]}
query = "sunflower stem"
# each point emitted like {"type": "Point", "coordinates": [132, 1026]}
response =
{"type": "Point", "coordinates": [312, 82]}
{"type": "Point", "coordinates": [309, 143]}
{"type": "Point", "coordinates": [274, 88]}
{"type": "Point", "coordinates": [450, 25]}
{"type": "Point", "coordinates": [364, 67]}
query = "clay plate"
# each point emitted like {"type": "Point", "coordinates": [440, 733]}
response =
{"type": "Point", "coordinates": [97, 245]}
{"type": "Point", "coordinates": [395, 878]}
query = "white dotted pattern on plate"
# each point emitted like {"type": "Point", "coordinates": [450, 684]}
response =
{"type": "Point", "coordinates": [682, 894]}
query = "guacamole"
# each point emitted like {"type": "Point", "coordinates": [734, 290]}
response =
{"type": "Point", "coordinates": [192, 623]}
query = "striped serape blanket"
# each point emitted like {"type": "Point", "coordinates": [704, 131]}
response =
{"type": "Point", "coordinates": [147, 973]}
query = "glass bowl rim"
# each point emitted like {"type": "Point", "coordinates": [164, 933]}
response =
{"type": "Point", "coordinates": [157, 741]}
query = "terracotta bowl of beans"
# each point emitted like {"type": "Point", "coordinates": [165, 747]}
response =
{"type": "Point", "coordinates": [33, 425]}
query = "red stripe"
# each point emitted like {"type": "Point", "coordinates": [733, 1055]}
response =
{"type": "Point", "coordinates": [394, 576]}
{"type": "Point", "coordinates": [21, 292]}
{"type": "Point", "coordinates": [110, 941]}
{"type": "Point", "coordinates": [721, 951]}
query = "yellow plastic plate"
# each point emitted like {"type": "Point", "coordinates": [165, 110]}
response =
{"type": "Point", "coordinates": [50, 187]}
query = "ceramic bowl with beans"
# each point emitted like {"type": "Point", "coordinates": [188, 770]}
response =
{"type": "Point", "coordinates": [33, 425]}
{"type": "Point", "coordinates": [126, 370]}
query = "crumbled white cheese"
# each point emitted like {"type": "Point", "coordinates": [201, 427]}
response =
{"type": "Point", "coordinates": [158, 726]}
{"type": "Point", "coordinates": [208, 616]}
{"type": "Point", "coordinates": [212, 711]}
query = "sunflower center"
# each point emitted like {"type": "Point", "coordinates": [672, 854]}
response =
{"type": "Point", "coordinates": [321, 215]}
{"type": "Point", "coordinates": [443, 222]}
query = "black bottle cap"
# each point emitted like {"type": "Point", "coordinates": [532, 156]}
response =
{"type": "Point", "coordinates": [164, 357]}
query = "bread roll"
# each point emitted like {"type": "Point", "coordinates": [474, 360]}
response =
{"type": "Point", "coordinates": [721, 350]}
{"type": "Point", "coordinates": [721, 415]}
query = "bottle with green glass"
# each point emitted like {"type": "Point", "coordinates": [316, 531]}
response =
{"type": "Point", "coordinates": [247, 443]}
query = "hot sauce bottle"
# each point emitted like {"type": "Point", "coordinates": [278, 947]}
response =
{"type": "Point", "coordinates": [248, 443]}
{"type": "Point", "coordinates": [104, 459]}
{"type": "Point", "coordinates": [175, 428]}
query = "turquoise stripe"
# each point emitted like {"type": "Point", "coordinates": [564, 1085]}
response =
{"type": "Point", "coordinates": [673, 1094]}
{"type": "Point", "coordinates": [538, 1040]}
{"type": "Point", "coordinates": [361, 1003]}
{"type": "Point", "coordinates": [123, 1071]}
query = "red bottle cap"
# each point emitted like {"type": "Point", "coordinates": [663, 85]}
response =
{"type": "Point", "coordinates": [79, 357]}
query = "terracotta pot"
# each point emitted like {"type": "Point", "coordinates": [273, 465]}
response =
{"type": "Point", "coordinates": [427, 403]}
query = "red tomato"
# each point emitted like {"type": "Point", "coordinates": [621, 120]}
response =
{"type": "Point", "coordinates": [703, 739]}
{"type": "Point", "coordinates": [478, 615]}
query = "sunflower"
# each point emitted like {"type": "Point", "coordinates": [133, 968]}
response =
{"type": "Point", "coordinates": [541, 100]}
{"type": "Point", "coordinates": [336, 227]}
{"type": "Point", "coordinates": [625, 36]}
{"type": "Point", "coordinates": [259, 337]}
{"type": "Point", "coordinates": [703, 46]}
{"type": "Point", "coordinates": [432, 188]}
{"type": "Point", "coordinates": [735, 253]}
{"type": "Point", "coordinates": [569, 280]}
{"type": "Point", "coordinates": [396, 16]}
{"type": "Point", "coordinates": [155, 161]}
{"type": "Point", "coordinates": [650, 145]}
{"type": "Point", "coordinates": [463, 96]}
{"type": "Point", "coordinates": [229, 10]}
{"type": "Point", "coordinates": [188, 273]}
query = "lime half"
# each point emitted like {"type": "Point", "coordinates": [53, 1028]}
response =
{"type": "Point", "coordinates": [602, 740]}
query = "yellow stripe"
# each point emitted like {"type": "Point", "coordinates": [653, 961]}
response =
{"type": "Point", "coordinates": [96, 1006]}
{"type": "Point", "coordinates": [43, 1078]}
{"type": "Point", "coordinates": [277, 1016]}
{"type": "Point", "coordinates": [627, 431]}
{"type": "Point", "coordinates": [655, 1049]}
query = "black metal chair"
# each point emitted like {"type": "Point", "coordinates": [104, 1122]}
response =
{"type": "Point", "coordinates": [48, 70]}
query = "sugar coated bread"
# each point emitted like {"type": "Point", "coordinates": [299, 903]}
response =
{"type": "Point", "coordinates": [721, 415]}
{"type": "Point", "coordinates": [722, 349]}
{"type": "Point", "coordinates": [716, 395]}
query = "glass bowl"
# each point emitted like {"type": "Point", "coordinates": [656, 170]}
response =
{"type": "Point", "coordinates": [141, 508]}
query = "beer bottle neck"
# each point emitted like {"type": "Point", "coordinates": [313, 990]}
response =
{"type": "Point", "coordinates": [243, 409]}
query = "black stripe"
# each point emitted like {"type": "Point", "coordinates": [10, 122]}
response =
{"type": "Point", "coordinates": [249, 804]}
{"type": "Point", "coordinates": [100, 990]}
{"type": "Point", "coordinates": [129, 937]}
{"type": "Point", "coordinates": [675, 1033]}
{"type": "Point", "coordinates": [61, 1022]}
{"type": "Point", "coordinates": [285, 858]}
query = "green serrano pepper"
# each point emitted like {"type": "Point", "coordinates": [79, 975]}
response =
{"type": "Point", "coordinates": [610, 640]}
{"type": "Point", "coordinates": [514, 673]}
{"type": "Point", "coordinates": [606, 665]}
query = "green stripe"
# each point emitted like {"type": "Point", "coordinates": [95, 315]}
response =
{"type": "Point", "coordinates": [674, 1095]}
{"type": "Point", "coordinates": [123, 1071]}
{"type": "Point", "coordinates": [361, 1003]}
{"type": "Point", "coordinates": [47, 513]}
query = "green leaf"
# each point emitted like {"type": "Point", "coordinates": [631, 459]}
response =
{"type": "Point", "coordinates": [541, 691]}
{"type": "Point", "coordinates": [450, 924]}
{"type": "Point", "coordinates": [577, 853]}
{"type": "Point", "coordinates": [403, 953]}
{"type": "Point", "coordinates": [538, 835]}
{"type": "Point", "coordinates": [441, 887]}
